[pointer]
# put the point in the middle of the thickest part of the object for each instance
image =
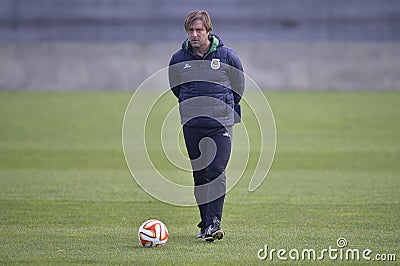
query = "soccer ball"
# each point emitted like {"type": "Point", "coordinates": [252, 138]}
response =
{"type": "Point", "coordinates": [153, 233]}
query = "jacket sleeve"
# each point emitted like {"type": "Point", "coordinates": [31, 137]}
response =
{"type": "Point", "coordinates": [236, 76]}
{"type": "Point", "coordinates": [174, 78]}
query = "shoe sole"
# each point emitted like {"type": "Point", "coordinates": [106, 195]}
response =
{"type": "Point", "coordinates": [217, 235]}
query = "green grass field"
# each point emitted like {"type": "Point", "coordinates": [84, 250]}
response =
{"type": "Point", "coordinates": [67, 196]}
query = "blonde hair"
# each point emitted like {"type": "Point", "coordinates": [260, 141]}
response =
{"type": "Point", "coordinates": [201, 15]}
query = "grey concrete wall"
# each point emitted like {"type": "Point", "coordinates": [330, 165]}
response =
{"type": "Point", "coordinates": [117, 44]}
{"type": "Point", "coordinates": [323, 66]}
{"type": "Point", "coordinates": [273, 65]}
{"type": "Point", "coordinates": [145, 20]}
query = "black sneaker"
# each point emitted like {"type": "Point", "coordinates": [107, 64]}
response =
{"type": "Point", "coordinates": [201, 235]}
{"type": "Point", "coordinates": [214, 231]}
{"type": "Point", "coordinates": [202, 226]}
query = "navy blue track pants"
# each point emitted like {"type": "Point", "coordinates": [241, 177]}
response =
{"type": "Point", "coordinates": [209, 150]}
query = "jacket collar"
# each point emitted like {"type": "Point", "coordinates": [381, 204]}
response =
{"type": "Point", "coordinates": [215, 42]}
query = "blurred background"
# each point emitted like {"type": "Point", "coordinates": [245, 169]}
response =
{"type": "Point", "coordinates": [116, 44]}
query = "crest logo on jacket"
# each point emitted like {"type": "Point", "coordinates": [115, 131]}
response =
{"type": "Point", "coordinates": [215, 63]}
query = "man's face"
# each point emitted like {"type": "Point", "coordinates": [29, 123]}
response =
{"type": "Point", "coordinates": [198, 35]}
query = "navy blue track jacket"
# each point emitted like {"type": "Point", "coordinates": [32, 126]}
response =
{"type": "Point", "coordinates": [208, 88]}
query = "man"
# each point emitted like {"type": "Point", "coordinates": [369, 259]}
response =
{"type": "Point", "coordinates": [208, 80]}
